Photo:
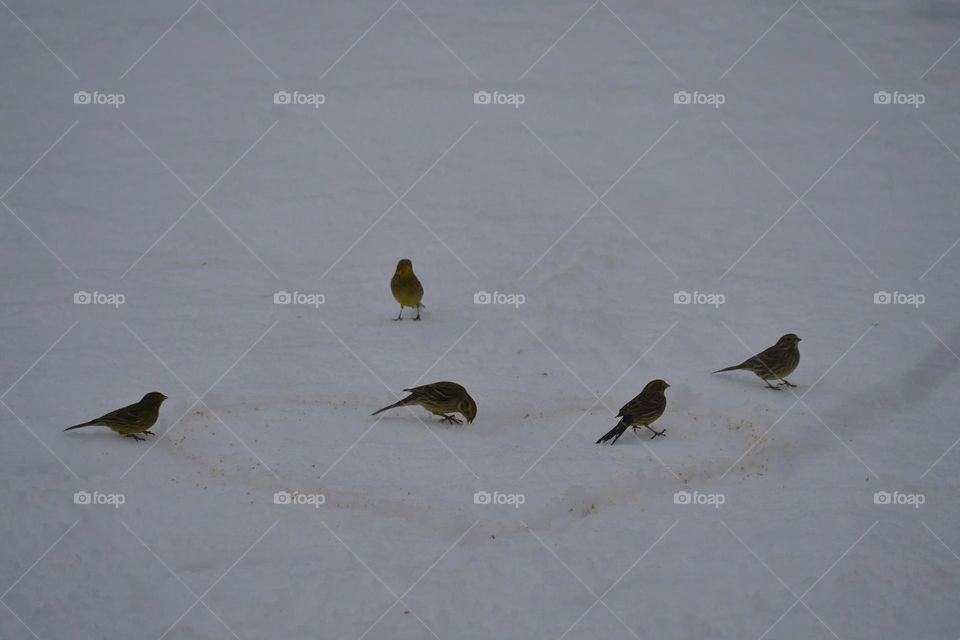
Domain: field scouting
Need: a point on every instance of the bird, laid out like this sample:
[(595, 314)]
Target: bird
[(406, 288), (440, 398), (642, 411), (777, 362), (131, 420)]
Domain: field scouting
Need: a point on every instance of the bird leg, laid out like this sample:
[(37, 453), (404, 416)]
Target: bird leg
[(773, 387), (400, 317), (656, 433), (787, 382), (452, 419), (135, 437), (418, 314)]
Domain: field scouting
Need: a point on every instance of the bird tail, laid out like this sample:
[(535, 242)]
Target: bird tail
[(733, 368), (399, 403), (85, 424), (614, 433)]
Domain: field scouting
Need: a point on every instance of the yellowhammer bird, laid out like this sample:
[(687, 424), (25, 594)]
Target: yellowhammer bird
[(441, 399), (406, 288), (133, 419), (775, 363), (642, 411)]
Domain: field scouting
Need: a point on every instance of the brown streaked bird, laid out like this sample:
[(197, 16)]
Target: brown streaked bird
[(131, 420), (642, 411), (775, 363), (440, 398), (406, 288)]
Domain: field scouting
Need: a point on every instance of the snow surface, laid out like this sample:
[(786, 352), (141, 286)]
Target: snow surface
[(597, 199)]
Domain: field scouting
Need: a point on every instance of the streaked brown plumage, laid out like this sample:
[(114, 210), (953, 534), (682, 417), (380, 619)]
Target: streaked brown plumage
[(441, 399), (406, 288), (775, 363), (132, 419), (642, 411)]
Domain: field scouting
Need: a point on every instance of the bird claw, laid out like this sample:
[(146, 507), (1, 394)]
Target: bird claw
[(656, 433), (135, 437), (452, 419)]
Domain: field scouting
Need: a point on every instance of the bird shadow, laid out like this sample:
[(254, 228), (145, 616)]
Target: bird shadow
[(759, 384)]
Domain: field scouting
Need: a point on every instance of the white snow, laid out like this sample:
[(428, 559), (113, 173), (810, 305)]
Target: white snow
[(597, 200)]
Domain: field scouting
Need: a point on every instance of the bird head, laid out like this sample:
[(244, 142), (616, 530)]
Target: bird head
[(405, 266), (658, 386), (789, 339), (154, 398), (467, 407)]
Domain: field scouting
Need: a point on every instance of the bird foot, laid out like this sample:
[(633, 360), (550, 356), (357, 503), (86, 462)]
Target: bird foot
[(777, 388), (658, 433), (789, 384), (452, 419), (150, 432), (135, 437)]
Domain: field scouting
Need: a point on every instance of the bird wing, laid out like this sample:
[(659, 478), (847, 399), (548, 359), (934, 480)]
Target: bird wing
[(131, 415), (764, 359), (437, 392), (642, 405)]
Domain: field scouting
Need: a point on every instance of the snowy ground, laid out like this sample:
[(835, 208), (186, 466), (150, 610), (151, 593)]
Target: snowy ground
[(597, 199)]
